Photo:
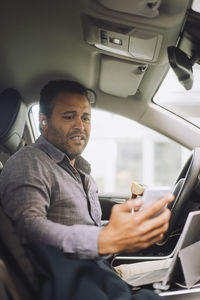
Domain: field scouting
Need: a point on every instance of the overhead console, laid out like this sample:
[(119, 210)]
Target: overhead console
[(131, 36), (135, 29), (118, 76), (122, 39)]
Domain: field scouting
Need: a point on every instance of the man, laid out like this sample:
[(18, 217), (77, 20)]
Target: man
[(51, 196)]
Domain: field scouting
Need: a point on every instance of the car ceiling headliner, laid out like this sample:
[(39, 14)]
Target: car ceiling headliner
[(43, 40)]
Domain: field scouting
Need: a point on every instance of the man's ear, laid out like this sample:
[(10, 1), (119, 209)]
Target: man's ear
[(43, 123)]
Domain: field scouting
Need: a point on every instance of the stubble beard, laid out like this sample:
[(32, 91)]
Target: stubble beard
[(71, 152), (63, 144)]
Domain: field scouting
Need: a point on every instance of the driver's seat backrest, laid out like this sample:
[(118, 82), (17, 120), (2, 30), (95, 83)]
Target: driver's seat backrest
[(16, 271), (13, 113)]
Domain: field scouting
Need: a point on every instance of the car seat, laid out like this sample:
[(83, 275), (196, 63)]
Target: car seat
[(17, 277), (12, 120)]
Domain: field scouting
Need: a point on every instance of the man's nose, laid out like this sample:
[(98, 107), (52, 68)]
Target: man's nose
[(79, 123)]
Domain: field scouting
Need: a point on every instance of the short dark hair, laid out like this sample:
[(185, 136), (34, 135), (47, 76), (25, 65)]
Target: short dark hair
[(54, 87)]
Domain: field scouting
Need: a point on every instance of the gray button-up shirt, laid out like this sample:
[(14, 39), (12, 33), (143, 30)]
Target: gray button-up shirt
[(51, 201)]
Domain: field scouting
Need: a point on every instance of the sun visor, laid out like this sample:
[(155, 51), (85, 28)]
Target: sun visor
[(145, 8), (120, 78)]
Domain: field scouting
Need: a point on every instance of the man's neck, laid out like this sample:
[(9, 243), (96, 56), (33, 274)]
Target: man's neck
[(72, 162)]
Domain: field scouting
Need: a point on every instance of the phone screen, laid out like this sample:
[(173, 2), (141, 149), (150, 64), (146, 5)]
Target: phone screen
[(153, 194)]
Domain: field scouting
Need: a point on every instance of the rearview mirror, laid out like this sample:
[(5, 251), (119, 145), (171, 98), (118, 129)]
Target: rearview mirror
[(181, 65)]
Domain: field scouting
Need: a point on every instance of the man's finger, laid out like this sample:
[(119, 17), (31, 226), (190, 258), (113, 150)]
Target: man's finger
[(130, 204), (158, 205)]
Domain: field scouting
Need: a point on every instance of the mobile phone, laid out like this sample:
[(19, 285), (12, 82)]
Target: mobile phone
[(153, 194)]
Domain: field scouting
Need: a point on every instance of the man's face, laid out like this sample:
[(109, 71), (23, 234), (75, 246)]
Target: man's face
[(69, 125)]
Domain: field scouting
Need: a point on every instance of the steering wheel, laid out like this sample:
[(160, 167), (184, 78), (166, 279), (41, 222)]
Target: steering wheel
[(184, 185)]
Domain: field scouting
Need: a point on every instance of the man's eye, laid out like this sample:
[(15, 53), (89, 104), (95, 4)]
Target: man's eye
[(68, 117), (86, 119)]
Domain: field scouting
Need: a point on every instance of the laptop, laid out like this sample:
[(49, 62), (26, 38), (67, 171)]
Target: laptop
[(162, 278)]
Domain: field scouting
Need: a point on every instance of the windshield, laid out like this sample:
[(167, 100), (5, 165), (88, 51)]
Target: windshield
[(172, 96)]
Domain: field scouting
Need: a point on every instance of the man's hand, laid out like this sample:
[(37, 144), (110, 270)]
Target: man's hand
[(131, 232)]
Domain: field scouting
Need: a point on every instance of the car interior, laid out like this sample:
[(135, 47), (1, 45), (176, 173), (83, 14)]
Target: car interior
[(123, 52)]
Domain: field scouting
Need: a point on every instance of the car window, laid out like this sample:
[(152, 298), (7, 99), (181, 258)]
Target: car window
[(121, 150), (185, 103)]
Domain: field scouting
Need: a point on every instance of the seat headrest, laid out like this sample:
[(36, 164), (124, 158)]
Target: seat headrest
[(12, 120)]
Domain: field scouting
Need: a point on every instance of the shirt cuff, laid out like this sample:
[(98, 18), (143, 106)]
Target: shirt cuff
[(84, 242)]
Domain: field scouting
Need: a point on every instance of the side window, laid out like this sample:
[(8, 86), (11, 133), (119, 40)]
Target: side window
[(121, 150)]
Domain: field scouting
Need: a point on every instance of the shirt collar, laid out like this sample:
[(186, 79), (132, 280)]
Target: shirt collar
[(58, 156)]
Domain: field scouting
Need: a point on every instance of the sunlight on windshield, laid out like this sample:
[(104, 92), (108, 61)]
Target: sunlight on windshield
[(121, 151), (175, 98)]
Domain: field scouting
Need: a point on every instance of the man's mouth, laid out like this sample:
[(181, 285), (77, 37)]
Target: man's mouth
[(77, 138)]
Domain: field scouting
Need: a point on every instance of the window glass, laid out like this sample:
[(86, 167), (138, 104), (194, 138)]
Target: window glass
[(196, 5), (121, 151), (185, 103)]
